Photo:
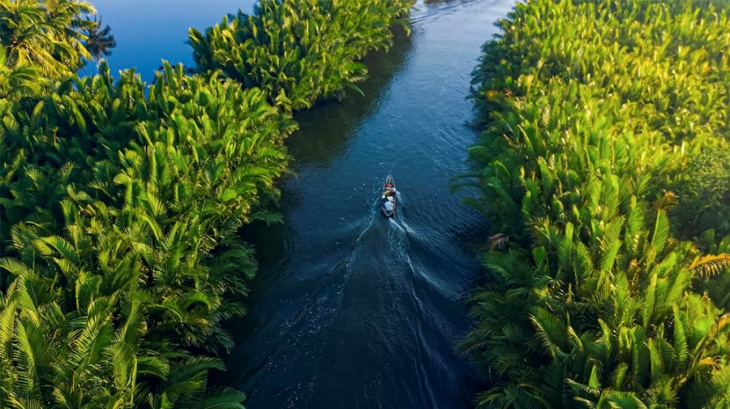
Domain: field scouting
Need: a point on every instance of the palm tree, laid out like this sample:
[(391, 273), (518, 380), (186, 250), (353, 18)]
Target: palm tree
[(47, 33), (19, 81), (114, 196), (99, 41)]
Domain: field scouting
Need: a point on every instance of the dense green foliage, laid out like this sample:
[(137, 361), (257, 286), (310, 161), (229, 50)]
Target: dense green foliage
[(704, 193), (119, 205), (593, 112), (298, 51), (99, 40), (48, 34), (111, 203)]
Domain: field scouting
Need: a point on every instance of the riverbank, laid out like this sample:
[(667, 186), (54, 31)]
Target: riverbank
[(589, 125)]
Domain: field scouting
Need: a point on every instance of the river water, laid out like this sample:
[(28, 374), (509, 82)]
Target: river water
[(352, 310)]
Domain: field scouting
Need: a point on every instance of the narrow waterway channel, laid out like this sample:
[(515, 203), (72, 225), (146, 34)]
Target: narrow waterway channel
[(351, 310)]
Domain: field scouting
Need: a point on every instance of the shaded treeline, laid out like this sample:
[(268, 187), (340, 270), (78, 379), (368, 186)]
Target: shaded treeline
[(120, 201), (603, 171)]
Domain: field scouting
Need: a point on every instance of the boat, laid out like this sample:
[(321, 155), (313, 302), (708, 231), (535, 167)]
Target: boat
[(388, 195)]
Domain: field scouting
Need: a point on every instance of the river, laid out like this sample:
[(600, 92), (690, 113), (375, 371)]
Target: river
[(352, 310)]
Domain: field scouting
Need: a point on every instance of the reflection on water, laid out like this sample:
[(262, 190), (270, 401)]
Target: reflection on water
[(148, 31), (326, 130)]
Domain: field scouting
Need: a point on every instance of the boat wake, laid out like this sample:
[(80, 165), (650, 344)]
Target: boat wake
[(370, 312)]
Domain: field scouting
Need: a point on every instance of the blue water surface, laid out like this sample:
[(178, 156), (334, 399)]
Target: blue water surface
[(148, 31)]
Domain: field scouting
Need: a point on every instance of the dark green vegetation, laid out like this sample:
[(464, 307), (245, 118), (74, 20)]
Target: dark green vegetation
[(120, 202), (112, 204), (299, 51), (602, 165), (44, 35), (99, 40)]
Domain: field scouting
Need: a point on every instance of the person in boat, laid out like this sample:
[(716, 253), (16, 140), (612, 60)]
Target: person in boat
[(389, 190), (388, 205)]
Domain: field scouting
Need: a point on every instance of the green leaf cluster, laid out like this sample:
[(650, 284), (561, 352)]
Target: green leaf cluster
[(704, 194), (49, 35), (298, 51), (592, 111)]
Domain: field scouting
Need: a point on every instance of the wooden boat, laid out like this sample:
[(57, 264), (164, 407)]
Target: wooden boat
[(388, 196)]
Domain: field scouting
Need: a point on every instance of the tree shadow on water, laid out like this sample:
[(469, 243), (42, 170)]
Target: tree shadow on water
[(325, 130)]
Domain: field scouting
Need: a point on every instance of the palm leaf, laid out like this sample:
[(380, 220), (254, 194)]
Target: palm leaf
[(222, 398), (711, 264)]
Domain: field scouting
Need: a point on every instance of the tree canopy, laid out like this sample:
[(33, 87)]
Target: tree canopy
[(47, 34), (299, 51), (591, 111)]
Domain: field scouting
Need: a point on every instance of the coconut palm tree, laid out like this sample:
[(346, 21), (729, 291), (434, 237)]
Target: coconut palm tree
[(48, 34), (99, 40)]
